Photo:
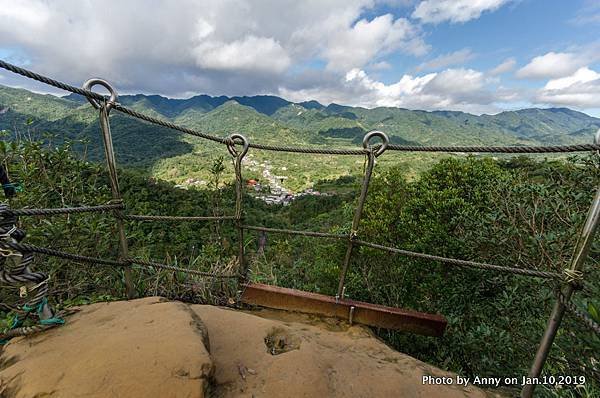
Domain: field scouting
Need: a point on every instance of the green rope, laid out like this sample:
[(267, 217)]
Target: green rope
[(16, 322), (52, 321)]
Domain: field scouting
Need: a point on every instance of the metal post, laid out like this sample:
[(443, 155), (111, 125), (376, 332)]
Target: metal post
[(109, 154), (237, 158), (582, 249), (371, 155)]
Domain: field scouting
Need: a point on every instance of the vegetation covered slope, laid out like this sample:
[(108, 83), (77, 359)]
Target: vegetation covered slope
[(273, 120), (516, 213)]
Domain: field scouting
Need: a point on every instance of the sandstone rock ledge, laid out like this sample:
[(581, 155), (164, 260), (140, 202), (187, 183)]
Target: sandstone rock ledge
[(156, 348)]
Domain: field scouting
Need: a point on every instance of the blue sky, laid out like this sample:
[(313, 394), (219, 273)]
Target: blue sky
[(479, 56), (520, 30)]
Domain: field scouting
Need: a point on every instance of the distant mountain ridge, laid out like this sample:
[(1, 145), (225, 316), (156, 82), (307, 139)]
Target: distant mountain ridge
[(266, 104), (271, 119), (270, 104)]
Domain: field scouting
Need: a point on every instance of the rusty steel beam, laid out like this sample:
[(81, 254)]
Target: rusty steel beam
[(350, 310)]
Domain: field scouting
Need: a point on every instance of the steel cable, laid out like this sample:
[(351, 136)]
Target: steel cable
[(497, 149), (57, 253), (63, 210), (140, 217), (582, 316), (464, 263)]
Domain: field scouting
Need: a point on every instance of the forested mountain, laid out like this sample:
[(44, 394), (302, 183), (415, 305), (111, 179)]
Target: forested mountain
[(265, 116), (270, 119)]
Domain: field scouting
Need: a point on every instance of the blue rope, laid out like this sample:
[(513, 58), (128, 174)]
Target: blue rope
[(17, 186), (50, 321)]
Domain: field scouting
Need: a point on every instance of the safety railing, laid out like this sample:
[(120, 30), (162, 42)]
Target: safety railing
[(570, 280)]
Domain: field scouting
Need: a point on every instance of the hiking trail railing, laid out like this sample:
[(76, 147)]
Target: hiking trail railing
[(570, 280)]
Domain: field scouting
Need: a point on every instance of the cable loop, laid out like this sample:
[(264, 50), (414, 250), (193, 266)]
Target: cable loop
[(109, 103), (375, 133), (230, 141)]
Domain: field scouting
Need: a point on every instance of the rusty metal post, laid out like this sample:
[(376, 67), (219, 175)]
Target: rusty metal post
[(573, 274), (237, 162), (111, 163), (372, 153)]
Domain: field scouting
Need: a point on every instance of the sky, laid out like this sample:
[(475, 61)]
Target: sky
[(477, 56)]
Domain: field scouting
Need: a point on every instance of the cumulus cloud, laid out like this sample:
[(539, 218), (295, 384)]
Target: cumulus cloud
[(445, 60), (455, 89), (551, 65), (214, 46), (581, 89), (356, 46), (436, 11), (365, 40), (251, 53)]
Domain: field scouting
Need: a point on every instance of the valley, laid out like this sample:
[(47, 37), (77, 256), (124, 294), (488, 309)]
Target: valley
[(185, 160)]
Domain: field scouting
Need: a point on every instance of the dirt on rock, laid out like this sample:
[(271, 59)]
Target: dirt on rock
[(155, 348)]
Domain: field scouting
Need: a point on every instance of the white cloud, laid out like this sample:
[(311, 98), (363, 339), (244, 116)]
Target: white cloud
[(581, 89), (454, 89), (436, 11), (214, 46), (364, 41), (506, 66), (582, 75), (250, 53), (387, 95), (445, 60), (551, 65)]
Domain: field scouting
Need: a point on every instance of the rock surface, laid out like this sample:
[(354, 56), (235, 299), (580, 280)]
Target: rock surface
[(154, 348), (141, 348), (273, 353)]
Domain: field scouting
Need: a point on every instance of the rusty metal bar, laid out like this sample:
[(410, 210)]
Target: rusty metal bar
[(111, 163), (350, 310)]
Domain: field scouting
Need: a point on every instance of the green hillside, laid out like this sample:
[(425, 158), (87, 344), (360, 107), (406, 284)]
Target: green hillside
[(273, 120)]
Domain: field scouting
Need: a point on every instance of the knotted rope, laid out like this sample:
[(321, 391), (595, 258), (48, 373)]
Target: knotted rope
[(16, 271)]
